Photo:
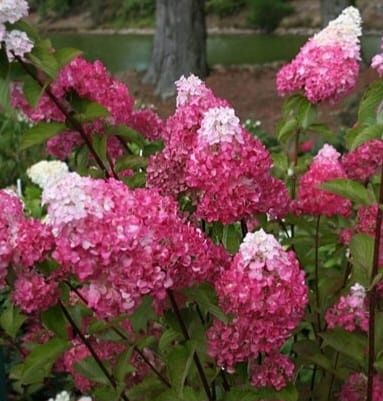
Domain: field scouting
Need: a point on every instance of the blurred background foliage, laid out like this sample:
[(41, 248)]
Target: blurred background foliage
[(263, 14)]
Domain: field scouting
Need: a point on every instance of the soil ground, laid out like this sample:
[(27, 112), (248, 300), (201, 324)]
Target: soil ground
[(253, 96)]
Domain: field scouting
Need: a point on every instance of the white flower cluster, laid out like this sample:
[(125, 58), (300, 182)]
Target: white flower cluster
[(187, 88), (344, 30), (17, 42), (220, 124), (65, 396), (45, 172)]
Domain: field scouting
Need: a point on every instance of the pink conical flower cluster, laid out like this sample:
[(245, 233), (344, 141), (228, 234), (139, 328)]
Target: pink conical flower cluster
[(264, 289), (210, 157), (311, 199), (327, 66), (125, 244)]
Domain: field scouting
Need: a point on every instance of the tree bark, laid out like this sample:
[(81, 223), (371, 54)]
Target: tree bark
[(179, 44), (330, 9)]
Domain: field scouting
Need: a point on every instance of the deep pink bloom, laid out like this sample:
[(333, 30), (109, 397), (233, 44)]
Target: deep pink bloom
[(92, 81), (364, 161), (276, 370), (265, 290), (125, 244), (311, 198), (33, 293), (356, 387)]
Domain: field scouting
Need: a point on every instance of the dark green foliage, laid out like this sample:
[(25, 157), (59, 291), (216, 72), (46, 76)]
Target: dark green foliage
[(13, 161), (224, 8), (267, 14)]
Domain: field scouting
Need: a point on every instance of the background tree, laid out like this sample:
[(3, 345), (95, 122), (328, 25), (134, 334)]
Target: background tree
[(179, 44), (331, 8)]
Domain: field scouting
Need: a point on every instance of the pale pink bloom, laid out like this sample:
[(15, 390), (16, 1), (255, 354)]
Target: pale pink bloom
[(327, 66), (13, 10), (220, 124), (17, 43), (189, 88), (350, 312)]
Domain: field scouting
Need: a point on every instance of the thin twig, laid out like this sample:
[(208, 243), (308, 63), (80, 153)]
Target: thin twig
[(185, 333), (76, 125), (85, 341), (125, 338), (317, 294)]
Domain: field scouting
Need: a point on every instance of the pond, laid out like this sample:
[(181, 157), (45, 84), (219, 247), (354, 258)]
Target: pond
[(121, 52)]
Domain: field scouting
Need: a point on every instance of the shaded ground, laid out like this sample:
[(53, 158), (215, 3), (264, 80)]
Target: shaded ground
[(253, 95)]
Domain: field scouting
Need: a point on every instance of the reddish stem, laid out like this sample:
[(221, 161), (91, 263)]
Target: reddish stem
[(373, 295)]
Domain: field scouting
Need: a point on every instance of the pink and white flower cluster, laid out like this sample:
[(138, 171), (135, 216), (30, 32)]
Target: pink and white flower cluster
[(377, 62), (351, 311), (17, 43), (265, 290), (327, 66), (356, 386), (124, 244), (209, 156), (311, 199)]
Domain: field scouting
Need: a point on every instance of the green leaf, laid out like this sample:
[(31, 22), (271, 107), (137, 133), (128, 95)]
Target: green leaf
[(32, 91), (131, 162), (100, 145), (178, 364), (145, 389), (42, 358), (322, 130), (42, 57), (152, 147), (309, 351), (370, 103), (123, 366), (89, 368), (87, 110), (205, 297), (248, 393), (286, 130), (11, 320), (127, 133), (350, 189), (66, 54), (142, 315), (167, 339), (53, 319), (40, 133), (138, 180), (362, 253), (307, 115), (353, 345), (231, 238), (366, 134)]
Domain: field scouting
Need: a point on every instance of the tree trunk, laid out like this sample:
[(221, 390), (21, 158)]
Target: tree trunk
[(179, 44), (330, 9)]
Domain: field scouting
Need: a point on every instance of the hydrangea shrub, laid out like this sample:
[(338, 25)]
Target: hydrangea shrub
[(183, 259)]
